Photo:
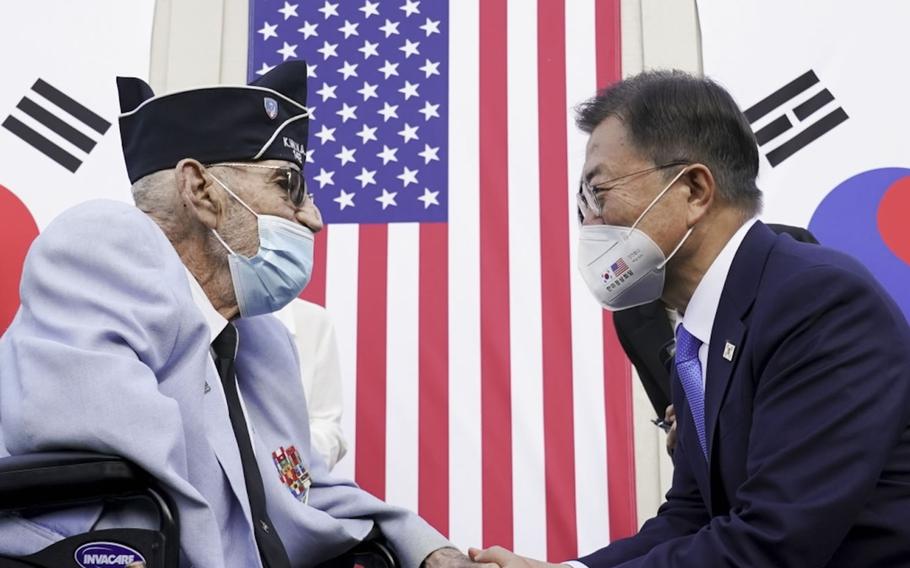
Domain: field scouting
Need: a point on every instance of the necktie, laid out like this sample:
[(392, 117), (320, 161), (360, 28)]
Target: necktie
[(271, 550), (688, 368)]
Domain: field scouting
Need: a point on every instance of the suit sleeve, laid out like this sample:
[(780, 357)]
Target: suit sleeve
[(412, 538), (96, 315), (339, 499), (832, 397), (645, 350), (682, 514)]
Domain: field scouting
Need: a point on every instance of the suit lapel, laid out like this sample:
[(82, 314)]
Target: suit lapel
[(220, 435), (720, 369), (729, 329)]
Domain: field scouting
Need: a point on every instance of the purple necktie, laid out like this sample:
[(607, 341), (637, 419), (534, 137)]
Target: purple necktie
[(689, 370)]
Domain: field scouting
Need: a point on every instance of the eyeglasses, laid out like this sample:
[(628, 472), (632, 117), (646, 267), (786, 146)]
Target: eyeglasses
[(290, 179), (586, 197)]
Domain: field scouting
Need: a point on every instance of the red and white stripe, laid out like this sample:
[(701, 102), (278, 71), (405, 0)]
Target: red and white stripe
[(484, 388)]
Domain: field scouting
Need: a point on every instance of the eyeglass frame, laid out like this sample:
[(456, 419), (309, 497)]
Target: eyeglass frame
[(300, 200), (582, 183)]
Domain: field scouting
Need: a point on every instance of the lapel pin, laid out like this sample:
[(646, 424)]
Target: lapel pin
[(729, 349)]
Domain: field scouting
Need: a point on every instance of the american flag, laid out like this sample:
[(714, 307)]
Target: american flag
[(619, 267), (484, 388)]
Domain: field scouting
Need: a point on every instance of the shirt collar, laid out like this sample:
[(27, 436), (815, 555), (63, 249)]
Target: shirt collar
[(699, 316), (215, 321)]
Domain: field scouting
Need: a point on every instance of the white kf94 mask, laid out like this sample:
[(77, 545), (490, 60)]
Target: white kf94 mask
[(622, 266)]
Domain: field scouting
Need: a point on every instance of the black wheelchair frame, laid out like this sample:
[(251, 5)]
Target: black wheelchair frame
[(46, 480)]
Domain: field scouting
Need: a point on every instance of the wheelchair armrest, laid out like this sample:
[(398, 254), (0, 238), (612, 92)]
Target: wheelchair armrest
[(62, 478), (58, 479)]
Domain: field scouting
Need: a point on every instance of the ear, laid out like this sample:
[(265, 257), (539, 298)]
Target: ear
[(198, 192), (702, 191)]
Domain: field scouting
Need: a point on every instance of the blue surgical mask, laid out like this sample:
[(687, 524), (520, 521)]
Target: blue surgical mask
[(278, 272)]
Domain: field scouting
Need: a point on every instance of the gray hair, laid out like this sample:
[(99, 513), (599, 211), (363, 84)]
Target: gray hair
[(672, 115), (155, 193)]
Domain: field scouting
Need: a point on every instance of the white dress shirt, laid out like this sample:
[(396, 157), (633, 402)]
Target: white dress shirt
[(699, 316), (216, 323), (320, 369), (215, 320)]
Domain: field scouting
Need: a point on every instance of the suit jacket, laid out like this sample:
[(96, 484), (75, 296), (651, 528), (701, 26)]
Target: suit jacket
[(808, 426), (320, 370), (648, 338), (109, 353)]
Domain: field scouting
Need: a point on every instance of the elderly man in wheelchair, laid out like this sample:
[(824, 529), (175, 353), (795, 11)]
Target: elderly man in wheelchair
[(151, 411)]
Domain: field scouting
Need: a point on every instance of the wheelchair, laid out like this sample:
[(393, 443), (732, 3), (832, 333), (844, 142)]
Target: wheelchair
[(35, 482)]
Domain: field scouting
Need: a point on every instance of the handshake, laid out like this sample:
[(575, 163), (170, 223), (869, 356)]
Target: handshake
[(493, 557)]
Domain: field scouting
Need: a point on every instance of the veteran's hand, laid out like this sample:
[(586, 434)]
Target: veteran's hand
[(451, 558), (507, 559)]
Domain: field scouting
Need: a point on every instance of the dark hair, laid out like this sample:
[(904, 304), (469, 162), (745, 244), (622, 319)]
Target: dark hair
[(672, 115)]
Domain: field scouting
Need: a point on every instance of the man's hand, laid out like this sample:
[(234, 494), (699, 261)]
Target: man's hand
[(670, 418), (451, 558), (507, 559)]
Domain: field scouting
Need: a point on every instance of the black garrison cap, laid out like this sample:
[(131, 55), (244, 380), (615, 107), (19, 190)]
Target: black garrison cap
[(266, 120)]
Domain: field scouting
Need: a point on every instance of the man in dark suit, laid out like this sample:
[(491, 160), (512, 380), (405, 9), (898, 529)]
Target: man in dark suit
[(791, 376), (647, 337)]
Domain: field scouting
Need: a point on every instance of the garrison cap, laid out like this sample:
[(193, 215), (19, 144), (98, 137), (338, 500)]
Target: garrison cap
[(266, 120)]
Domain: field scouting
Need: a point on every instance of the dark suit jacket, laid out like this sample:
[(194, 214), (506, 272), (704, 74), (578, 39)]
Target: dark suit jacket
[(808, 426), (647, 337)]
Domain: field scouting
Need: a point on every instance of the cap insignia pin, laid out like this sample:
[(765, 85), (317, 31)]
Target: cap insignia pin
[(271, 107)]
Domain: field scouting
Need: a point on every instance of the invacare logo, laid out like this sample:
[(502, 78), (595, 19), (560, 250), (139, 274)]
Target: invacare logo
[(108, 554)]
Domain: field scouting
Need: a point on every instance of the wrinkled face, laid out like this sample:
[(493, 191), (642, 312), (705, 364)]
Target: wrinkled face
[(270, 187), (623, 183)]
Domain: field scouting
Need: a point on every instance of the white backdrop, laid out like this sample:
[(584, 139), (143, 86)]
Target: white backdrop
[(78, 48), (856, 53)]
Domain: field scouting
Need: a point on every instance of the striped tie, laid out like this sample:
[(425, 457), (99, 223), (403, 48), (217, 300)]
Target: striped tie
[(689, 370)]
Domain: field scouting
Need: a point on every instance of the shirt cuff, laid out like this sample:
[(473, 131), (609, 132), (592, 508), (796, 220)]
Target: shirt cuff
[(574, 564)]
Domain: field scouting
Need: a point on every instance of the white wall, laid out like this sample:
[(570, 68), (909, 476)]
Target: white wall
[(198, 42)]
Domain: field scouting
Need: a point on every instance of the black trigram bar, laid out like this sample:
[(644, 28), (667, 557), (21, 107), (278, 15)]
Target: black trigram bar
[(807, 136), (779, 101), (780, 96), (773, 129), (50, 120), (42, 144), (63, 101), (56, 125), (820, 99)]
